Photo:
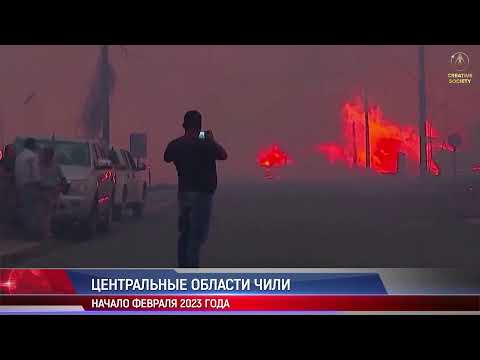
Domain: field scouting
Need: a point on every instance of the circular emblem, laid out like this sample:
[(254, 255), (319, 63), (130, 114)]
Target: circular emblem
[(460, 61)]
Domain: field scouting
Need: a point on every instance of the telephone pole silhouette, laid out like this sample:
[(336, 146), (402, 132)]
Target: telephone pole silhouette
[(107, 88), (367, 131), (422, 111)]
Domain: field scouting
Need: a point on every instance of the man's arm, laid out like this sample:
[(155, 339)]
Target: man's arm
[(168, 155), (220, 153)]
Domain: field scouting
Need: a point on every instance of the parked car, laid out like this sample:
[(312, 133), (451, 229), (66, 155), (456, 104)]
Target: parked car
[(90, 183), (130, 185)]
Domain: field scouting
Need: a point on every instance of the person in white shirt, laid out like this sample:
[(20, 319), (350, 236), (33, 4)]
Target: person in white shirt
[(52, 179), (27, 179)]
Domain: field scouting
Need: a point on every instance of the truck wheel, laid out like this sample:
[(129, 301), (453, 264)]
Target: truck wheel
[(138, 208), (106, 223), (119, 210), (60, 230), (89, 226)]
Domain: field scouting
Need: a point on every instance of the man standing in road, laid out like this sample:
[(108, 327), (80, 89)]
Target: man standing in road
[(194, 155), (27, 178)]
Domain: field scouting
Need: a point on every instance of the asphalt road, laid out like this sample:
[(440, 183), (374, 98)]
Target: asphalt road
[(290, 225)]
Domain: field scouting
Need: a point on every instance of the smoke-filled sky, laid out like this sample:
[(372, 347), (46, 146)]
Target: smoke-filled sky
[(251, 96)]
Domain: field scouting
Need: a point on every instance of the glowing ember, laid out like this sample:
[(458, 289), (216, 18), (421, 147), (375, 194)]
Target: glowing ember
[(387, 140), (273, 157)]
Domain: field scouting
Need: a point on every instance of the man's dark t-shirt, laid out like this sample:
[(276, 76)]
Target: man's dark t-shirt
[(195, 163)]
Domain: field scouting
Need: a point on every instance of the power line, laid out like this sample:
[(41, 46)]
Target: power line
[(431, 93)]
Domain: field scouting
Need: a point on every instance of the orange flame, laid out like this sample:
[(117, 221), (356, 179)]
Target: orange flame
[(387, 140), (273, 157)]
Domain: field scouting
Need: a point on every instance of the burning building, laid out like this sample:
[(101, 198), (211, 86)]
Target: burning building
[(391, 144)]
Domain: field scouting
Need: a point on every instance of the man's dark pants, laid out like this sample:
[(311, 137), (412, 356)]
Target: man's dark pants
[(195, 209)]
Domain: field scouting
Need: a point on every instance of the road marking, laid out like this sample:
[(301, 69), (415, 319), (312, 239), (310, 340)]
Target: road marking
[(473, 221)]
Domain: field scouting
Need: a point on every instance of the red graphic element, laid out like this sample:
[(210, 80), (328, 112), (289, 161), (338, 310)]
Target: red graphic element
[(387, 140), (35, 281), (258, 302)]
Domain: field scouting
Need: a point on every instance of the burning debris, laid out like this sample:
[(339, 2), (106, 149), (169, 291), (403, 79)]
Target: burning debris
[(389, 141), (273, 157)]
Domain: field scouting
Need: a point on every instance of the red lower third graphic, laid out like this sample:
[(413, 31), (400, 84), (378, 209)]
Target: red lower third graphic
[(255, 303), (35, 281)]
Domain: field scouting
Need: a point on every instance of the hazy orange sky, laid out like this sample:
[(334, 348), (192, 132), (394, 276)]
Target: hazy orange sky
[(251, 96)]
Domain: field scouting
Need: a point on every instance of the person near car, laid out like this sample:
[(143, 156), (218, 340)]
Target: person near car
[(27, 180), (7, 169), (51, 180), (195, 162)]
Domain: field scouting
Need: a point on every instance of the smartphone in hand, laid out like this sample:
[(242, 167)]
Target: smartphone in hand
[(205, 135)]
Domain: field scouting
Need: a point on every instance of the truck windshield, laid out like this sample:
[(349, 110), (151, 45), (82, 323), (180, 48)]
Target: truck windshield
[(66, 152)]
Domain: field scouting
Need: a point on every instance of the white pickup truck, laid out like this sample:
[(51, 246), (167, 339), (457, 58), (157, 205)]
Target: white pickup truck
[(90, 178), (130, 184)]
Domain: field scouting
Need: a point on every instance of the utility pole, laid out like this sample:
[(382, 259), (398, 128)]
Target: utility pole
[(149, 175), (355, 154), (2, 132), (106, 95), (367, 131), (422, 110)]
